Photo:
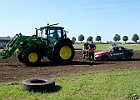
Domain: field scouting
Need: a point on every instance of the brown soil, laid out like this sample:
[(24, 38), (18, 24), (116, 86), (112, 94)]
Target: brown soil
[(12, 70)]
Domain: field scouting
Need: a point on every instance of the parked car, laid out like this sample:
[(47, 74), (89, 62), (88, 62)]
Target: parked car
[(114, 52)]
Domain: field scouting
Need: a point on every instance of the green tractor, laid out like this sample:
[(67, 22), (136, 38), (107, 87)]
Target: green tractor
[(49, 41)]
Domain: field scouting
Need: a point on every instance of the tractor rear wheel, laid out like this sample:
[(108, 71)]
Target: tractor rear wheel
[(31, 56), (64, 52)]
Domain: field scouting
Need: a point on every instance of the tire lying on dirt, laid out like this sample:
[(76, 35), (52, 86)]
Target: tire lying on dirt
[(38, 84), (64, 52)]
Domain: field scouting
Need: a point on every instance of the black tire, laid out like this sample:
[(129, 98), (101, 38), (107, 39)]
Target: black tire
[(64, 52), (128, 56), (20, 58), (31, 56), (38, 84), (104, 58)]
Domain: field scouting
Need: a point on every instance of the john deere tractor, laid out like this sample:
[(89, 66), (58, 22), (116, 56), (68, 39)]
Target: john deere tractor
[(49, 41)]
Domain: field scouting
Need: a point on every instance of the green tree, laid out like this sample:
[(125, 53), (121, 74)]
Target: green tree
[(81, 37), (73, 39), (98, 38), (90, 38), (125, 38), (135, 38), (117, 37)]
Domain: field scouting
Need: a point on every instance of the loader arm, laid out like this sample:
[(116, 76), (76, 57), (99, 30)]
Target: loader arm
[(12, 46)]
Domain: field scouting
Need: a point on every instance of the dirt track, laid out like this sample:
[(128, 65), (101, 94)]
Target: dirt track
[(12, 70)]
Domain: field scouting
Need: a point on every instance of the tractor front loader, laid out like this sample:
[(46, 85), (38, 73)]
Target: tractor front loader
[(21, 44), (49, 41)]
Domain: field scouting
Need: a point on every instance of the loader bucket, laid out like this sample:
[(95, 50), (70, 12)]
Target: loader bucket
[(10, 47), (2, 54)]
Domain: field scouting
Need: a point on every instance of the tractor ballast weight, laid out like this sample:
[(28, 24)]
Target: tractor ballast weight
[(49, 41)]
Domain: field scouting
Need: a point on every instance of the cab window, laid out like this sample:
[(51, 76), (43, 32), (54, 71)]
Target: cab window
[(59, 32), (51, 33), (43, 34)]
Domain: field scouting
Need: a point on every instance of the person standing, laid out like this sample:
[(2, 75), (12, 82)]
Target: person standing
[(85, 50), (92, 47)]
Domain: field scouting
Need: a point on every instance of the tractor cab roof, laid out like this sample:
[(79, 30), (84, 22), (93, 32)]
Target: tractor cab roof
[(52, 26), (44, 27)]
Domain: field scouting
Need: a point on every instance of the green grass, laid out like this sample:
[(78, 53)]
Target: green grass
[(99, 46), (133, 47), (78, 46), (105, 85), (104, 46)]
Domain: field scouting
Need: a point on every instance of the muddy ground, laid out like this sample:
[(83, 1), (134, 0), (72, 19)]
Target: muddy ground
[(12, 70)]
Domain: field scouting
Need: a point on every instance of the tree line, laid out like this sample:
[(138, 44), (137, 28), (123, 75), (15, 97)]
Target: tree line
[(116, 38)]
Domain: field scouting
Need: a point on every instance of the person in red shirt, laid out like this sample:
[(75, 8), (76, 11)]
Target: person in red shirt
[(92, 47)]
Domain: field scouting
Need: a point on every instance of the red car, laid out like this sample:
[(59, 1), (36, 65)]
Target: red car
[(116, 52)]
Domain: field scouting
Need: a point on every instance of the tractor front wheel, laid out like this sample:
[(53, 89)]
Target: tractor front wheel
[(20, 58), (31, 56)]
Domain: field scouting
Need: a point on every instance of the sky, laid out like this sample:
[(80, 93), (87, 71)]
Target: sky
[(94, 18)]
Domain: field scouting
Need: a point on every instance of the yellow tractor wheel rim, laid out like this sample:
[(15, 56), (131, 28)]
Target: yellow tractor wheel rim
[(65, 52), (33, 57)]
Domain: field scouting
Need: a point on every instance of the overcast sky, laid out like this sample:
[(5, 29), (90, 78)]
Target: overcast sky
[(103, 18)]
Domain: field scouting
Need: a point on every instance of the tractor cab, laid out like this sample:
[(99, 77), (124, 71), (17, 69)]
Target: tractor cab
[(51, 33), (58, 47)]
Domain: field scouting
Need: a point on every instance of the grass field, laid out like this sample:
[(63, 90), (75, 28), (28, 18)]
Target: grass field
[(105, 85), (133, 47), (104, 46)]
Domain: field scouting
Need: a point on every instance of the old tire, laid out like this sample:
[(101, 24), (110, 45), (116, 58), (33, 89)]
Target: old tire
[(31, 56), (38, 84), (104, 58), (64, 52)]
